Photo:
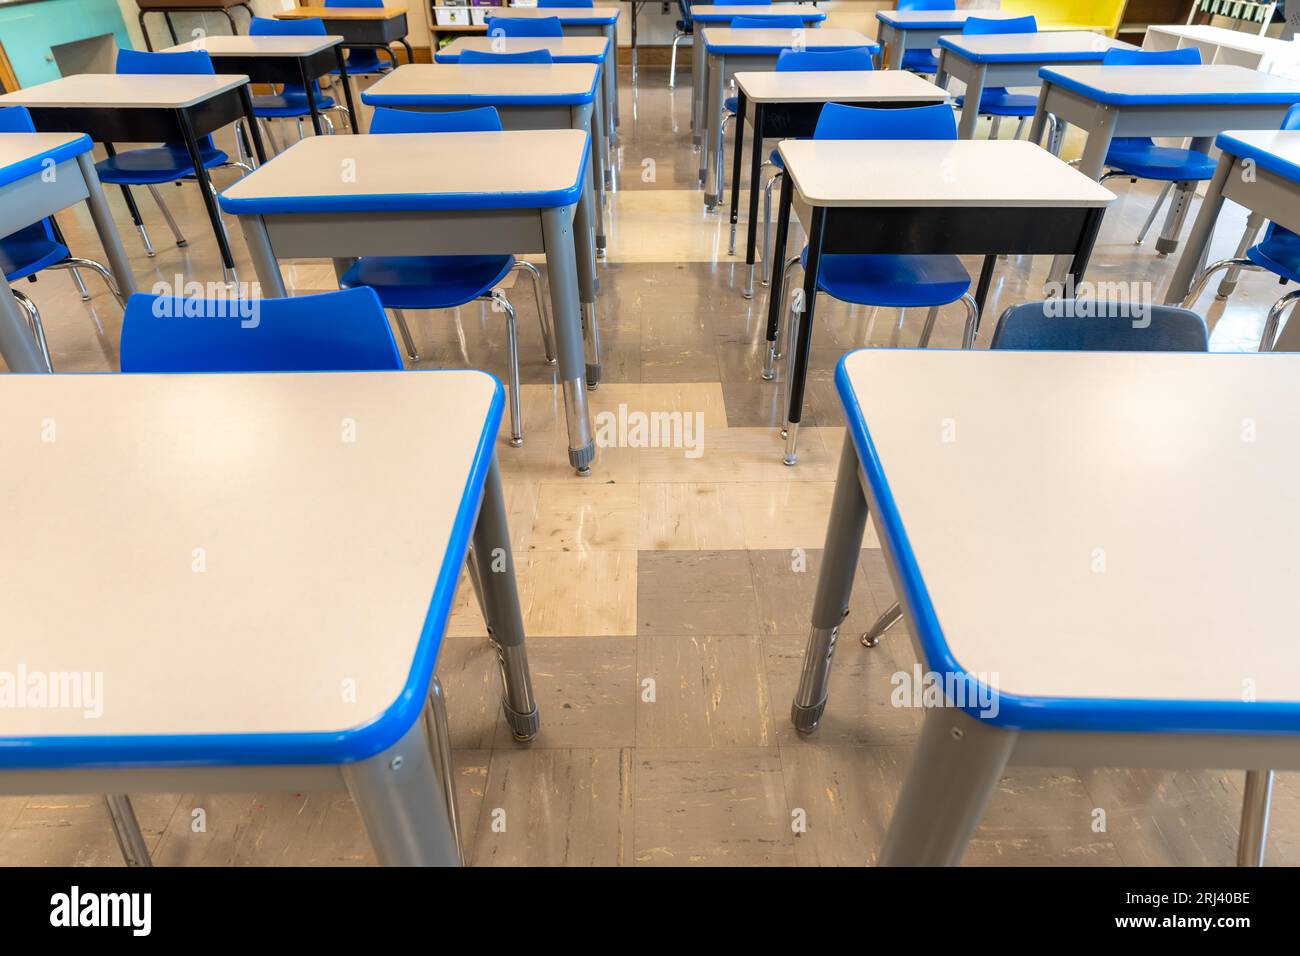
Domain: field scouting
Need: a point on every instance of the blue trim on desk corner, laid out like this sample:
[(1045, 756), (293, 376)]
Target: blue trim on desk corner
[(810, 16), (171, 751), (1277, 97), (887, 16), (413, 202), (441, 56), (1016, 712), (33, 165), (481, 99), (1263, 159), (765, 49), (952, 43)]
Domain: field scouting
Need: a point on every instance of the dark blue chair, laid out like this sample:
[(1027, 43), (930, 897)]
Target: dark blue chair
[(40, 246), (685, 28), (923, 61), (448, 282), (344, 331), (291, 101), (1278, 252), (998, 101), (1036, 326), (799, 61), (364, 60), (154, 166), (883, 280), (524, 27), (1138, 157), (524, 56)]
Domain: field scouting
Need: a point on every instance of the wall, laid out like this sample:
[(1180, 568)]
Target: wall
[(28, 30)]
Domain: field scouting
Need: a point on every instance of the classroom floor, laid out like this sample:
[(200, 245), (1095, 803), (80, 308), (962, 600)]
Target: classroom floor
[(666, 597)]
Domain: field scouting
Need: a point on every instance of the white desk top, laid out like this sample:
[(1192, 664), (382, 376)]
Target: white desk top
[(1147, 83), (124, 91), (1063, 462), (534, 80), (559, 46), (18, 148), (321, 554), (258, 46), (809, 39), (839, 86), (754, 10), (573, 14), (1032, 44), (935, 173), (406, 165), (905, 18)]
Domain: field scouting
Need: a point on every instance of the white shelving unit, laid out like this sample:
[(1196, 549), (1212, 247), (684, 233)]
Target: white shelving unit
[(1220, 45)]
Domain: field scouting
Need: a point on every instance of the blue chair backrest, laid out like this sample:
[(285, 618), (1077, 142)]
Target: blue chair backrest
[(809, 61), (268, 27), (782, 22), (344, 331), (1187, 56), (140, 61), (524, 27), (1035, 326), (483, 119), (983, 25), (1292, 118), (861, 122), (524, 56), (927, 4), (16, 119), (543, 4)]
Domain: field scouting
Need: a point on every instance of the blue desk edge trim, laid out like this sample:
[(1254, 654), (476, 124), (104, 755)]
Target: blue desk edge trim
[(743, 49), (810, 16), (479, 99), (1015, 712), (1271, 162), (159, 751), (1055, 56), (36, 164), (1141, 99)]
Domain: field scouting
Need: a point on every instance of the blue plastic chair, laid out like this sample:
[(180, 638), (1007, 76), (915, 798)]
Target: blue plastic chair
[(155, 165), (1278, 252), (40, 246), (923, 61), (448, 282), (800, 61), (886, 280), (1138, 157), (364, 60), (997, 101), (524, 56), (1035, 326), (291, 101), (685, 28), (344, 331), (524, 27)]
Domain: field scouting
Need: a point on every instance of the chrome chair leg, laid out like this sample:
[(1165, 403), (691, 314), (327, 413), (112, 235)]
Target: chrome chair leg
[(1020, 127), (767, 226), (1200, 282), (672, 63), (435, 717), (270, 136), (81, 284), (127, 829), (891, 616), (1253, 833), (298, 121), (405, 331), (329, 125), (76, 263), (995, 128), (34, 322), (928, 328), (501, 303), (144, 238), (972, 319), (1151, 216), (774, 347), (181, 241), (1273, 323), (1254, 222), (543, 308)]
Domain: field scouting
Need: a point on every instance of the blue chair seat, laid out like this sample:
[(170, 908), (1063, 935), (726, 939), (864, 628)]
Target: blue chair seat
[(365, 61), (28, 251), (920, 61), (1279, 253), (999, 102), (289, 104), (1142, 158), (776, 160), (731, 104), (892, 282), (156, 164), (427, 282)]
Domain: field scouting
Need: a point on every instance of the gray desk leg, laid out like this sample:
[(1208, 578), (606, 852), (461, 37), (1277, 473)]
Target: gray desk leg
[(403, 801), (1092, 165), (609, 79), (586, 263), (499, 596), (600, 164), (1040, 117), (611, 34), (955, 768), (562, 276), (1167, 241), (1199, 238), (970, 109), (259, 249), (712, 132), (848, 521), (894, 38), (699, 75), (102, 216), (17, 343)]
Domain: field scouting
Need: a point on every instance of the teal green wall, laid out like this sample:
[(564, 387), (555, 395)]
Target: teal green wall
[(28, 30)]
